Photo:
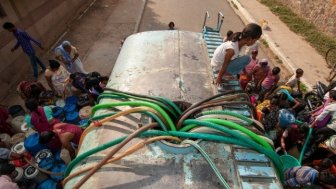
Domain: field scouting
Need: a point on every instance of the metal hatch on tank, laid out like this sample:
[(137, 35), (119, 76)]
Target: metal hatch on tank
[(174, 65)]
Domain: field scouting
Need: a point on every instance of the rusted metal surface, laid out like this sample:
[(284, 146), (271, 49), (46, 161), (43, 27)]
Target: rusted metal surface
[(172, 64)]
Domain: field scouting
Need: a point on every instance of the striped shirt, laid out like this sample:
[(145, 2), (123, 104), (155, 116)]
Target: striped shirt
[(300, 176), (23, 40)]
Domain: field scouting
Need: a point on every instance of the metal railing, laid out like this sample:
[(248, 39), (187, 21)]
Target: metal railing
[(220, 18), (207, 15)]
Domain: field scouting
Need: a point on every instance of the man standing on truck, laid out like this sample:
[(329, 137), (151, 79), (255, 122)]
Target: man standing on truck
[(23, 40)]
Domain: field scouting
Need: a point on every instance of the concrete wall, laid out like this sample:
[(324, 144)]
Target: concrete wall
[(44, 20), (321, 12)]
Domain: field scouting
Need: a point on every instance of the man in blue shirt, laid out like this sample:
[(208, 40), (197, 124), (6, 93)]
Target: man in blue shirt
[(24, 40)]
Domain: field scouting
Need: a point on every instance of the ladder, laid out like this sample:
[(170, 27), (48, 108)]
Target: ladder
[(212, 36)]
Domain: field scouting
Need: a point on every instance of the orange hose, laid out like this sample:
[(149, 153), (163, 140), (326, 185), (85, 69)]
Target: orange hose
[(129, 151), (110, 118)]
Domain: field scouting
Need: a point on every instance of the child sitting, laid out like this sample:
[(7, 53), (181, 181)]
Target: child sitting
[(294, 81)]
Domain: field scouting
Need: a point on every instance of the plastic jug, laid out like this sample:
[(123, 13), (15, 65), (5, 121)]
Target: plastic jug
[(65, 156)]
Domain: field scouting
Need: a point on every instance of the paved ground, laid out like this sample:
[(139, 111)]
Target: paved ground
[(291, 48), (98, 32)]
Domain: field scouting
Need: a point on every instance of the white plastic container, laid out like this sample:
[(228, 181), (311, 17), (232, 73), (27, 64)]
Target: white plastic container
[(18, 174), (31, 173), (17, 122), (85, 112), (60, 103), (19, 148), (28, 131), (65, 156), (6, 139)]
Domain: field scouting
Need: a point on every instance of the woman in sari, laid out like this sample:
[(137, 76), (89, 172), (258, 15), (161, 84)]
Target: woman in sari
[(68, 54), (58, 79)]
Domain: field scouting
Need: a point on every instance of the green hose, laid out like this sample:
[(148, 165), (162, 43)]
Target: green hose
[(210, 162), (195, 123), (271, 154), (111, 95), (137, 103), (163, 100), (157, 119), (225, 112), (102, 96), (172, 104), (238, 141), (305, 144), (102, 147)]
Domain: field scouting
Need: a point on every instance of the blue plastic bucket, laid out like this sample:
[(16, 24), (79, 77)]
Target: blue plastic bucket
[(32, 144), (47, 184), (59, 168), (45, 159), (286, 118), (71, 100), (72, 117), (83, 122), (69, 108), (58, 112)]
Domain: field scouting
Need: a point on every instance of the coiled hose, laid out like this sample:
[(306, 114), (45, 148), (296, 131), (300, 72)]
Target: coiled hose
[(217, 124), (163, 106), (192, 111), (158, 99), (110, 118), (137, 103), (212, 97), (249, 121)]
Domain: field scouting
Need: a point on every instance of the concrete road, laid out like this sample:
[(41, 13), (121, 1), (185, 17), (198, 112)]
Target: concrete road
[(190, 17)]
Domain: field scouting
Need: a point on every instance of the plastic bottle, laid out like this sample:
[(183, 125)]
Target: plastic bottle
[(65, 156)]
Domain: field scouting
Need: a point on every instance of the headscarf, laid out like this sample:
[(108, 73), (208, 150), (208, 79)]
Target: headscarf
[(66, 56)]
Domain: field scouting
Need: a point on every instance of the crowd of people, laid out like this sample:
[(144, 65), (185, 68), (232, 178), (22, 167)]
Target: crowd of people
[(280, 106), (282, 109), (66, 77)]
